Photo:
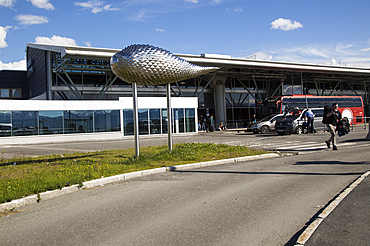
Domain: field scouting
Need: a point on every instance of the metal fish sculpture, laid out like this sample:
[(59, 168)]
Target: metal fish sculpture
[(149, 65)]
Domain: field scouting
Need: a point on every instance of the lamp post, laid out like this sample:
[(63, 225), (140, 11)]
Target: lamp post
[(169, 116), (136, 119)]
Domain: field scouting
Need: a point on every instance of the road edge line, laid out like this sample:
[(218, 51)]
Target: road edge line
[(308, 232)]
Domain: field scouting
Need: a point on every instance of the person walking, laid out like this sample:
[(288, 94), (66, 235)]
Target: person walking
[(332, 121), (202, 122), (211, 124), (309, 116)]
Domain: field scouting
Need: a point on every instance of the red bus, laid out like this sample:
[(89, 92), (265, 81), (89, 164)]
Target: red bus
[(351, 107)]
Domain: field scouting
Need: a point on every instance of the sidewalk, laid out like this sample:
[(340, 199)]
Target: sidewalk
[(58, 138)]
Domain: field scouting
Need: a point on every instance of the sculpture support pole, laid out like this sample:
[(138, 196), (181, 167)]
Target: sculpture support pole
[(136, 119), (169, 117)]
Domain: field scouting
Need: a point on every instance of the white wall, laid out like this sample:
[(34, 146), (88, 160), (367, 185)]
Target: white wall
[(123, 103)]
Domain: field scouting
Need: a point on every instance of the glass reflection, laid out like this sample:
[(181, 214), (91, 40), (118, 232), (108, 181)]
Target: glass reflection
[(143, 121), (155, 121), (190, 119), (5, 123), (78, 121), (178, 118), (128, 122), (51, 122), (151, 121), (107, 120), (24, 123), (164, 120)]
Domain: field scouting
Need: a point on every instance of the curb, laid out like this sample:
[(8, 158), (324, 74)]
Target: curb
[(120, 177), (307, 233)]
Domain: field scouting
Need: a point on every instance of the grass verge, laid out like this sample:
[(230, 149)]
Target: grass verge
[(20, 177)]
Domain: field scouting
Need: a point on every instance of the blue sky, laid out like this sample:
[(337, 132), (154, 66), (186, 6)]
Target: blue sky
[(322, 32)]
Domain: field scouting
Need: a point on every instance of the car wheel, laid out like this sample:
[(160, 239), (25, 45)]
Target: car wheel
[(265, 129), (299, 130)]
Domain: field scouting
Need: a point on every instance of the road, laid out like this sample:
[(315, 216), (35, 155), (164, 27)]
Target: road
[(263, 202), (304, 143)]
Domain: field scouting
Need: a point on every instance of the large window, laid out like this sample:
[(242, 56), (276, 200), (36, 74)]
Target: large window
[(151, 121), (5, 123), (164, 120), (178, 116), (239, 100), (155, 121), (24, 123), (143, 121), (51, 122), (107, 120), (128, 122), (78, 121), (190, 119)]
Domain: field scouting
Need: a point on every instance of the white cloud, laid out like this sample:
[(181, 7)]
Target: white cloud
[(96, 6), (3, 32), (7, 3), (190, 1), (329, 54), (42, 4), (56, 40), (365, 50), (285, 24), (140, 16), (263, 56), (236, 9), (160, 30), (21, 65), (87, 43), (27, 20)]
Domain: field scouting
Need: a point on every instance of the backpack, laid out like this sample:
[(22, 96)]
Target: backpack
[(343, 127), (327, 109)]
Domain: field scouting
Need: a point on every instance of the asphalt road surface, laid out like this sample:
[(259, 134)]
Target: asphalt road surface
[(304, 143), (262, 202)]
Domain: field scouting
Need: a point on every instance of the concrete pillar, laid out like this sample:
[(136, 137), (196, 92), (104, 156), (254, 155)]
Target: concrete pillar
[(220, 105)]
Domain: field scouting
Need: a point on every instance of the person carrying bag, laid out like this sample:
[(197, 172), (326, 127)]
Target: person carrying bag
[(332, 118)]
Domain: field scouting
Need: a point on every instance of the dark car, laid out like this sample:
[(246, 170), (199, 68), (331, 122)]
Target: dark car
[(293, 121)]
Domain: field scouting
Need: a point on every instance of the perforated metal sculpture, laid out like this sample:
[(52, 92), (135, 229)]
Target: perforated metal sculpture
[(149, 65)]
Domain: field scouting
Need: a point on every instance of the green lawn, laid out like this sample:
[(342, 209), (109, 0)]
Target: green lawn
[(25, 176)]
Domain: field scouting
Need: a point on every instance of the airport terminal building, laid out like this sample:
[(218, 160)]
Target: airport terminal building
[(81, 74)]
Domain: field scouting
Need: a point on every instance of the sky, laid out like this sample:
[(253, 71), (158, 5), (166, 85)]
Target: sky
[(321, 32)]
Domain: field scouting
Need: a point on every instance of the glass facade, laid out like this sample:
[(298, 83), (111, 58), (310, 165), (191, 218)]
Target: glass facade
[(51, 122), (22, 123), (154, 121), (240, 108), (151, 121)]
